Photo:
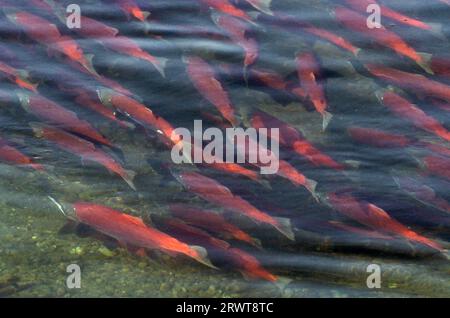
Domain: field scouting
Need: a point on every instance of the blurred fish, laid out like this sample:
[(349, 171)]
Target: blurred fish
[(421, 193), (47, 33), (378, 138), (292, 138), (138, 112), (237, 31), (382, 139), (130, 230), (131, 9), (83, 149), (11, 155), (376, 218), (418, 84), (225, 6), (84, 99), (441, 66), (51, 112), (437, 166), (214, 192), (285, 169), (249, 266), (357, 22), (19, 77), (204, 79), (296, 24), (127, 46), (212, 222), (308, 71), (362, 5), (190, 234), (405, 109)]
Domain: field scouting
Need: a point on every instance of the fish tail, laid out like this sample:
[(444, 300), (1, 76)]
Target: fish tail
[(311, 186), (89, 64), (424, 63), (264, 183), (326, 119), (281, 282), (284, 226), (263, 6), (145, 15), (128, 177), (202, 256), (37, 129), (160, 65)]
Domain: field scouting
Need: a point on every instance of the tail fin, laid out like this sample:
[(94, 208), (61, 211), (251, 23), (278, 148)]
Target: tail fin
[(90, 66), (285, 227), (262, 5), (202, 256), (282, 282), (326, 119), (161, 65), (129, 177), (311, 185), (424, 63)]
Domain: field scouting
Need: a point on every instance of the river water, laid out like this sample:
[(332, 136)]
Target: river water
[(334, 250)]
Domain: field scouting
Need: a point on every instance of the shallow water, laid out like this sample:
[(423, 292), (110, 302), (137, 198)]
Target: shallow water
[(324, 260)]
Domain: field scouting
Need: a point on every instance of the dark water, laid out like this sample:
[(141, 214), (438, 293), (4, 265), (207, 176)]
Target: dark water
[(331, 251)]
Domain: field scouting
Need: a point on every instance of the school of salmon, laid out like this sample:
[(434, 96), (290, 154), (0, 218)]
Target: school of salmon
[(219, 231)]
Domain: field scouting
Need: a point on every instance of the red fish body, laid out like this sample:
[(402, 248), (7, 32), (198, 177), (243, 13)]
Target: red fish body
[(48, 34), (83, 149), (362, 5), (204, 79), (130, 8), (403, 108), (214, 192), (92, 28), (375, 218), (378, 138), (13, 156), (138, 112), (49, 111), (191, 234), (35, 27), (225, 6), (236, 29), (249, 266), (357, 22), (423, 193), (269, 78), (291, 137), (308, 71), (19, 77), (293, 22), (210, 221), (85, 100), (418, 84), (441, 66), (127, 46), (131, 230), (438, 166)]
